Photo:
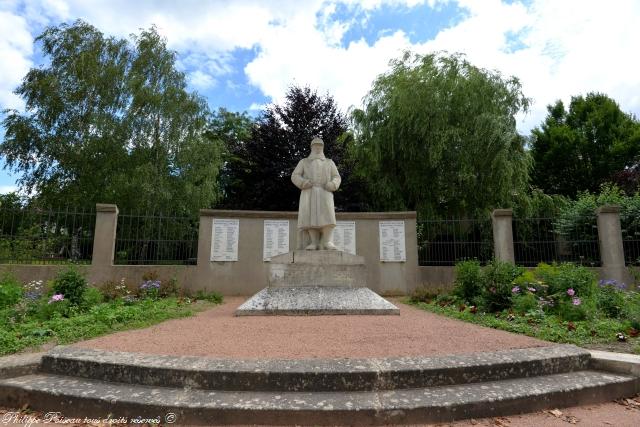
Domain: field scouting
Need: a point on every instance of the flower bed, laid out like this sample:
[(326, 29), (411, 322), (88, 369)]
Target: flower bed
[(558, 302), (66, 310)]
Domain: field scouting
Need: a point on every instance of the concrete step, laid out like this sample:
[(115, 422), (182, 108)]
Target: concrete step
[(316, 375), (82, 397)]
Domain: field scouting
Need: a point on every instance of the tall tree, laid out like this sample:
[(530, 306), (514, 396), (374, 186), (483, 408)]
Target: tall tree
[(258, 174), (580, 149), (438, 135), (111, 121)]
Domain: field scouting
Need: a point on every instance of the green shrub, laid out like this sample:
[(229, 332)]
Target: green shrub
[(559, 278), (525, 302), (208, 296), (10, 291), (571, 312), (469, 281), (48, 309), (610, 298), (71, 284), (91, 297), (498, 280), (9, 343)]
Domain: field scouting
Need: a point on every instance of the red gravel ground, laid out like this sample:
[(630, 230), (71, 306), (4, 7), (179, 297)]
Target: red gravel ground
[(218, 333)]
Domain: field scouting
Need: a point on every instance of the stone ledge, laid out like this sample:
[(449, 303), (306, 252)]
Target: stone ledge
[(225, 213), (75, 397), (312, 374), (615, 362), (16, 365)]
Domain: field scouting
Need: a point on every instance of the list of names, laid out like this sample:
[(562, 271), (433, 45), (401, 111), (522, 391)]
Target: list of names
[(276, 238), (224, 239), (392, 245)]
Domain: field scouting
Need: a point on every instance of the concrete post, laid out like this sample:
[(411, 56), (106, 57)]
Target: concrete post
[(610, 240), (104, 238), (503, 234)]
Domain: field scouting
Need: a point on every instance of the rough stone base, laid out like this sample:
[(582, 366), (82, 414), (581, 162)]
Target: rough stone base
[(315, 300), (317, 268)]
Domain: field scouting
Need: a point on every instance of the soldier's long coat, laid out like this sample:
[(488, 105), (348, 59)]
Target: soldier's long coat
[(316, 208)]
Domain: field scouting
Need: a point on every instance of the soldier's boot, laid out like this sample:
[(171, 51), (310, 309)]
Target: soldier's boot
[(327, 240), (315, 237)]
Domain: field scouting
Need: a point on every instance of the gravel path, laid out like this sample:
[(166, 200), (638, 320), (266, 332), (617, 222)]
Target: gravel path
[(217, 333)]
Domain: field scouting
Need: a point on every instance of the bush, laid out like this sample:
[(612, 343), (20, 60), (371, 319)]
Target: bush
[(498, 280), (169, 288), (91, 297), (49, 309), (525, 302), (469, 281), (610, 298), (10, 291), (71, 284), (113, 290), (208, 296), (559, 278), (150, 289)]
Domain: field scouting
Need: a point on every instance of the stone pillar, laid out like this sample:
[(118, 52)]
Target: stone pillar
[(610, 240), (104, 239), (503, 234)]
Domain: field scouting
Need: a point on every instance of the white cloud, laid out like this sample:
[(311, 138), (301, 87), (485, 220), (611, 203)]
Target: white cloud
[(16, 47), (4, 189), (562, 48)]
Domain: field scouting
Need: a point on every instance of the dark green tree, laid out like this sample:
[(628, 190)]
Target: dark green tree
[(580, 149), (438, 135), (108, 120), (260, 163)]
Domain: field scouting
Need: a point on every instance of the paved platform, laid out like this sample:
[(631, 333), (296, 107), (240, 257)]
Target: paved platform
[(217, 332), (316, 301)]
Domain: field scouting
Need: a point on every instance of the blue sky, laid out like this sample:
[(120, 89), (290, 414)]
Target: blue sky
[(242, 55)]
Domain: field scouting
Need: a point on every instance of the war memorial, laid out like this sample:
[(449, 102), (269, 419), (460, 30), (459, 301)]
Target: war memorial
[(319, 267)]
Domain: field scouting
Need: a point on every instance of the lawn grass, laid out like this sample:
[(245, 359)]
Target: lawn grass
[(101, 319), (594, 333)]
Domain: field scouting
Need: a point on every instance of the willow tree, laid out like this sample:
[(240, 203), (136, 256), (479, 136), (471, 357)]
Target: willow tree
[(111, 120), (438, 135)]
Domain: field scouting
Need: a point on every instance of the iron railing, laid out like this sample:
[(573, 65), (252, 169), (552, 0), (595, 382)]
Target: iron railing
[(159, 239), (537, 240), (39, 235), (447, 241)]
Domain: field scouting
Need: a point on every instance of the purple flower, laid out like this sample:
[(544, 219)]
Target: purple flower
[(515, 289), (576, 301), (56, 297), (150, 284), (531, 289), (571, 292)]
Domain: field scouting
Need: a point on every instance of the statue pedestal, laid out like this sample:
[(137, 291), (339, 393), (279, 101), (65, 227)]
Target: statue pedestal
[(316, 283)]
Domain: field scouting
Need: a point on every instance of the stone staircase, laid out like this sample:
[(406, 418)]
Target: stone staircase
[(192, 390)]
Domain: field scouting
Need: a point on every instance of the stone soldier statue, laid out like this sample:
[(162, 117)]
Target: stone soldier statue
[(318, 178)]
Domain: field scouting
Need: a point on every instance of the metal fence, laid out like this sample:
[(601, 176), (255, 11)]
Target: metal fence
[(631, 244), (445, 242), (160, 239), (36, 235), (537, 240)]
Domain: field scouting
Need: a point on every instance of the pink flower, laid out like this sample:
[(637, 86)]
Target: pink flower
[(515, 289), (531, 289), (576, 301), (571, 292), (56, 297)]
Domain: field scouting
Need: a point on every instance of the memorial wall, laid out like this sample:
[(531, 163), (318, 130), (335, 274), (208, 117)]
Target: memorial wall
[(235, 248)]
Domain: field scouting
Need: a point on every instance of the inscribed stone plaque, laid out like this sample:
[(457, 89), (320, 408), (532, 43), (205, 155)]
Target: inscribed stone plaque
[(344, 236), (392, 247), (224, 239), (276, 238)]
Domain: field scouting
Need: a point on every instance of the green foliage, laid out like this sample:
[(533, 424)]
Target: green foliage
[(498, 284), (10, 291), (112, 290), (580, 149), (559, 278), (72, 284), (610, 299), (91, 297), (214, 297), (111, 120), (525, 302), (425, 294), (435, 126), (469, 281)]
